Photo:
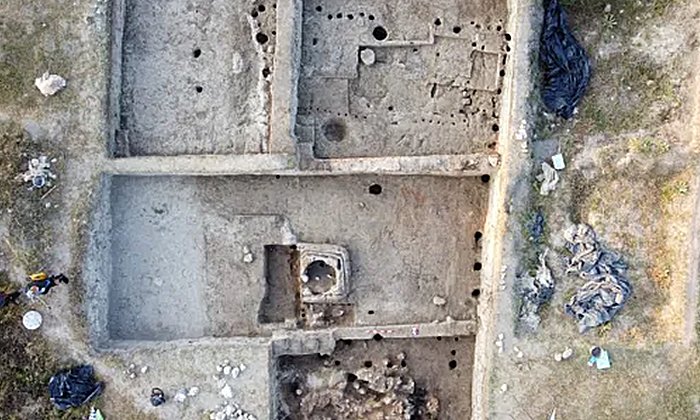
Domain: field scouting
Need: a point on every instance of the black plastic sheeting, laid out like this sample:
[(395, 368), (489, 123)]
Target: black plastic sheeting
[(74, 387), (607, 288), (566, 69)]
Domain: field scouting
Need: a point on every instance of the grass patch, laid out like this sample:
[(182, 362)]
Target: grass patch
[(27, 364), (31, 44), (649, 146), (30, 235), (674, 189)]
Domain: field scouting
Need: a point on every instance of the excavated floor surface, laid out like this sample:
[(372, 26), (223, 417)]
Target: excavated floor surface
[(180, 242), (196, 77), (431, 85)]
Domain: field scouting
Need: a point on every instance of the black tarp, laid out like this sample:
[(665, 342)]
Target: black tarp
[(566, 69), (74, 387)]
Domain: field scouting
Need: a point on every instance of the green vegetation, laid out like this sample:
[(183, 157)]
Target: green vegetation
[(650, 146)]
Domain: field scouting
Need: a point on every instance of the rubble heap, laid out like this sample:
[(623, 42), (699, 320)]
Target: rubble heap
[(375, 392)]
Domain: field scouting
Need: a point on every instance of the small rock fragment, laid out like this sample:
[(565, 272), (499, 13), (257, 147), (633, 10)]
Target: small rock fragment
[(242, 367), (235, 372), (557, 357), (227, 392), (504, 388), (227, 370), (144, 369), (367, 56), (568, 352), (180, 396), (192, 392), (248, 258), (439, 301), (50, 84)]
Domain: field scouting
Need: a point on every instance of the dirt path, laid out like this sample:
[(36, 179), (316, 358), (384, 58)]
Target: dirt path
[(690, 333)]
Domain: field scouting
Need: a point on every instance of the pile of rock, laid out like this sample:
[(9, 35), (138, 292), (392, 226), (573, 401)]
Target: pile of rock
[(229, 410)]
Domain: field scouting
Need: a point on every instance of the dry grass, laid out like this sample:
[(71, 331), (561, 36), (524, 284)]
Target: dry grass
[(630, 188), (27, 364)]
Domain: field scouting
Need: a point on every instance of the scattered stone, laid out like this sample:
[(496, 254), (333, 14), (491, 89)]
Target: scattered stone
[(144, 370), (242, 367), (557, 357), (227, 392), (568, 352), (367, 56), (235, 372), (608, 8), (504, 388), (248, 258), (132, 375), (227, 370), (50, 84), (180, 396), (439, 301), (193, 392)]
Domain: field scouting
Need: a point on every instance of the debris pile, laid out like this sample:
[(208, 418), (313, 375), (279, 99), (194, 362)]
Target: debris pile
[(606, 289), (229, 410), (39, 173), (566, 68), (49, 84), (536, 292), (382, 390)]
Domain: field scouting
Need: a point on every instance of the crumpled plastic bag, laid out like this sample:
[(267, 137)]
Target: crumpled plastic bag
[(74, 387), (565, 65), (536, 292), (549, 179), (607, 288)]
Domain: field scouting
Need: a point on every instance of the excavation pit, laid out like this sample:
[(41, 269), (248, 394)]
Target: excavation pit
[(421, 79), (192, 78), (426, 378), (191, 257)]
